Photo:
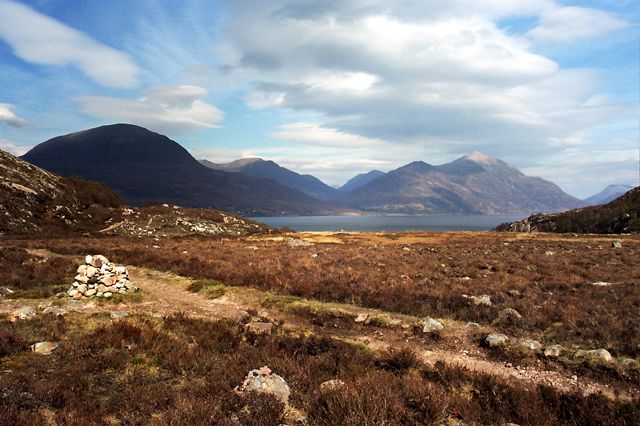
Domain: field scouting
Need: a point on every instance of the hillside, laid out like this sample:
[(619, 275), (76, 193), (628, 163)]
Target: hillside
[(610, 193), (621, 215), (473, 184), (267, 169), (147, 167), (360, 180), (34, 200)]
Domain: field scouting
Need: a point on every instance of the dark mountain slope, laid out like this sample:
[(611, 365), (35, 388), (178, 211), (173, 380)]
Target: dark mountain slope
[(473, 184), (621, 215), (148, 167), (360, 180), (260, 168)]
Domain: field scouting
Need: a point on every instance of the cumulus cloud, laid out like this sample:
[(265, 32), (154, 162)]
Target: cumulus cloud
[(567, 24), (417, 72), (9, 117), (168, 109), (39, 39)]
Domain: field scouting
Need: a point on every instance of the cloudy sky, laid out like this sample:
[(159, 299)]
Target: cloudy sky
[(337, 87)]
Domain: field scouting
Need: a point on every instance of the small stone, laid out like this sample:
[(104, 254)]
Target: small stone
[(509, 315), (107, 294), (91, 292), (431, 325), (88, 259), (495, 340), (616, 244), (258, 327), (574, 378), (549, 253), (118, 314), (72, 293), (484, 299), (90, 271), (332, 385), (44, 348), (81, 279), (82, 270), (553, 351), (82, 288)]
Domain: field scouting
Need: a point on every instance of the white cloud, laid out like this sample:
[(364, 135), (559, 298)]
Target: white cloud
[(12, 148), (568, 24), (39, 39), (315, 134), (168, 109), (9, 117)]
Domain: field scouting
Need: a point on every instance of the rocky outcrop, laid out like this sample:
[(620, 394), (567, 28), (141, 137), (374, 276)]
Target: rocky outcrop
[(100, 278)]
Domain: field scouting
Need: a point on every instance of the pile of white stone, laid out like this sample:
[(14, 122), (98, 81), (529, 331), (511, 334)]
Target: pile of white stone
[(100, 278)]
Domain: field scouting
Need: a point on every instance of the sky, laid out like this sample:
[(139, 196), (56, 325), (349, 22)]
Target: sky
[(337, 87)]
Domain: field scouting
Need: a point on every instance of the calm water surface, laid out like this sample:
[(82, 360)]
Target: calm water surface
[(387, 223)]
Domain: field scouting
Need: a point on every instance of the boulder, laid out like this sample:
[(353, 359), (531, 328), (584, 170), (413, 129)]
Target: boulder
[(44, 348), (263, 380), (509, 316), (495, 340), (431, 325)]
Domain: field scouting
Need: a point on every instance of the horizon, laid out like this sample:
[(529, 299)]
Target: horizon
[(338, 88)]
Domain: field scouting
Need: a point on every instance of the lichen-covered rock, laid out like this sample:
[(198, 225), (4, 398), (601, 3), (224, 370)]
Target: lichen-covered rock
[(265, 381)]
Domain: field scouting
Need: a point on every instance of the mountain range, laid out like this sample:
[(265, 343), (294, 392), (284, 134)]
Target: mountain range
[(145, 167)]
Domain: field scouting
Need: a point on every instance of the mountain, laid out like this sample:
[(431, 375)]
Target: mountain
[(360, 180), (473, 184), (260, 168), (147, 167), (621, 215), (34, 200), (610, 193)]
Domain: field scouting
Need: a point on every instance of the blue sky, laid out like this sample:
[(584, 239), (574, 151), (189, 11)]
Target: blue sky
[(336, 88)]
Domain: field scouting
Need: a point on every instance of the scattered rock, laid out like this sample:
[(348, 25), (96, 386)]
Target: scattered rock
[(293, 242), (44, 348), (495, 340), (601, 355), (258, 327), (243, 317), (362, 317), (430, 325), (616, 244), (483, 299), (23, 313), (553, 351), (100, 278), (265, 381), (55, 311), (331, 385), (529, 345), (509, 316)]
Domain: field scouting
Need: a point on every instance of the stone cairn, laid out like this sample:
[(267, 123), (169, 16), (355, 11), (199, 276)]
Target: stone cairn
[(100, 278)]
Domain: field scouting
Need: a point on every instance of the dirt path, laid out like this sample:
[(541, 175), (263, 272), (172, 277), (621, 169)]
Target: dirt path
[(167, 297)]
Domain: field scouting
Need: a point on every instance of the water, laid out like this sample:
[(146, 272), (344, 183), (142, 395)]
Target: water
[(388, 223)]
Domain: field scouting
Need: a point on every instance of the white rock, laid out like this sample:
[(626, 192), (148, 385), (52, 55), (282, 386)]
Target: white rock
[(431, 325)]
